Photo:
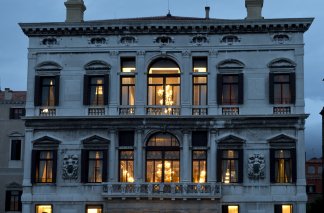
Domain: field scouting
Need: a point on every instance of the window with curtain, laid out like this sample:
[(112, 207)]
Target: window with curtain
[(283, 165), (230, 209), (127, 91), (126, 166), (95, 166), (283, 208), (230, 167), (46, 90), (45, 166), (95, 90), (282, 88), (199, 166), (200, 90), (230, 89), (162, 158), (44, 208)]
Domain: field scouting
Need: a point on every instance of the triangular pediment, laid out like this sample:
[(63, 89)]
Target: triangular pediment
[(282, 138), (48, 66), (231, 139), (46, 141), (97, 65), (282, 63), (14, 185), (95, 140), (231, 64), (16, 134)]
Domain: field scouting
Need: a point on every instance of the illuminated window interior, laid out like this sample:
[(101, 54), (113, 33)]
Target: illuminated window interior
[(44, 209), (126, 162), (286, 208), (230, 166), (128, 65), (283, 166), (233, 209), (199, 64), (94, 209)]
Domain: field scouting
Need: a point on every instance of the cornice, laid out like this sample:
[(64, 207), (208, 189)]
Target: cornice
[(166, 26)]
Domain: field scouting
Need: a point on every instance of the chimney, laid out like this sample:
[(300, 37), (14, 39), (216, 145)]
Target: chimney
[(8, 94), (74, 10), (254, 9), (207, 9)]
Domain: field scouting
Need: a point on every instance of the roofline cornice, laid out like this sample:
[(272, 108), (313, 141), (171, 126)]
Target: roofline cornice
[(134, 26)]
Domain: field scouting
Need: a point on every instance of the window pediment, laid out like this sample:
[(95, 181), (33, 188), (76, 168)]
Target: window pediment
[(231, 140), (282, 138), (282, 63), (46, 141), (97, 65), (15, 134), (48, 66), (231, 64), (95, 140), (14, 185)]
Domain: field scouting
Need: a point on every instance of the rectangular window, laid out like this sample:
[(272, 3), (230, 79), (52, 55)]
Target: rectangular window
[(94, 209), (126, 166), (95, 90), (230, 166), (126, 138), (283, 169), (44, 208), (45, 166), (200, 90), (15, 150), (94, 166), (230, 89), (127, 91), (128, 65), (284, 208), (13, 200), (199, 138), (199, 64), (282, 88), (47, 90), (230, 209), (17, 113), (164, 90), (199, 166)]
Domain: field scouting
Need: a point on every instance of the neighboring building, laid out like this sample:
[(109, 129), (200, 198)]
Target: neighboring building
[(12, 137), (314, 178), (165, 114)]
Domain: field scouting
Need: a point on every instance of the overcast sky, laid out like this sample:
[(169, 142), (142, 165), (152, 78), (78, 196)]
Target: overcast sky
[(13, 43)]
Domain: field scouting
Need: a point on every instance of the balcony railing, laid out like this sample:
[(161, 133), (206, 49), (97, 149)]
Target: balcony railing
[(163, 110), (47, 112), (200, 111), (230, 111), (281, 110), (95, 111), (162, 190), (126, 110)]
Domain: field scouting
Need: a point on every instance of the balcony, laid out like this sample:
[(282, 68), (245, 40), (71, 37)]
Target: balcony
[(126, 110), (200, 111), (281, 110), (47, 112), (163, 110), (230, 111), (162, 190), (96, 111)]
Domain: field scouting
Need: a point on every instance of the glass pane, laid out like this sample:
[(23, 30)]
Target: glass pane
[(157, 171), (172, 155), (230, 154), (282, 154), (154, 155), (200, 80), (124, 95), (233, 209), (171, 171), (286, 208), (176, 95), (126, 171), (95, 154), (196, 95), (43, 209), (203, 95), (94, 209), (199, 171), (150, 171), (126, 155), (172, 80), (46, 155), (281, 78), (131, 95), (230, 79), (199, 155), (130, 80), (155, 80)]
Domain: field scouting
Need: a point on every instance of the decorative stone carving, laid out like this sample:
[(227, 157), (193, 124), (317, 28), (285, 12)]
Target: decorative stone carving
[(256, 164), (70, 166), (186, 53), (141, 52), (199, 39), (49, 41), (127, 40), (97, 41), (114, 53)]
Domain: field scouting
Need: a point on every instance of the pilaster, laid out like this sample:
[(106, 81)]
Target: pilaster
[(140, 90), (212, 156), (139, 173), (113, 165)]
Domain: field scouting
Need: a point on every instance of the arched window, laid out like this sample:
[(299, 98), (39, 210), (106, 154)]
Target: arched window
[(164, 86), (162, 158)]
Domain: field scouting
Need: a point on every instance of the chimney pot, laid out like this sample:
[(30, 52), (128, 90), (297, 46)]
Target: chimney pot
[(74, 10)]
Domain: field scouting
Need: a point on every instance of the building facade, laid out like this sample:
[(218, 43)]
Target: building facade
[(314, 178), (165, 114), (12, 131)]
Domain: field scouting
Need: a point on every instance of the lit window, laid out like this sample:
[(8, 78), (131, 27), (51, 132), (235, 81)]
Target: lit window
[(230, 89), (45, 166), (199, 166), (126, 166), (95, 166), (127, 91), (199, 64), (128, 65), (95, 90), (282, 88), (46, 91), (163, 159), (44, 209), (283, 168), (285, 208), (230, 209), (94, 208), (230, 166)]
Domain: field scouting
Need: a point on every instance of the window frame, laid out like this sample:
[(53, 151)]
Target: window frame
[(12, 150), (52, 210), (292, 88), (128, 86), (239, 159), (39, 90), (35, 166), (240, 88), (85, 165), (93, 205), (199, 161), (278, 208), (120, 159), (13, 115), (293, 165), (8, 199), (225, 208), (87, 89)]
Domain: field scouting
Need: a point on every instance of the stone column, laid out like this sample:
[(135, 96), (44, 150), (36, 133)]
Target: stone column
[(186, 84), (27, 186), (114, 83), (211, 157), (140, 88), (139, 173), (185, 159), (113, 158)]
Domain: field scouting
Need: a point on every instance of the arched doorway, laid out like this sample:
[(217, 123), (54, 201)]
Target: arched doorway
[(162, 158)]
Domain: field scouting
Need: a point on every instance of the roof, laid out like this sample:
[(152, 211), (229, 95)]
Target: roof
[(166, 24), (18, 97)]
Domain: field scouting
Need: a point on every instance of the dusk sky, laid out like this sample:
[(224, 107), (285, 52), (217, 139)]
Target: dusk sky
[(13, 43)]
